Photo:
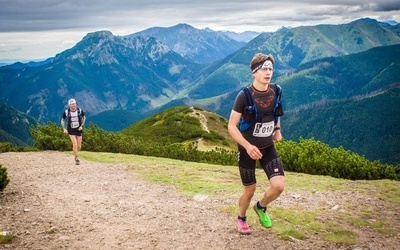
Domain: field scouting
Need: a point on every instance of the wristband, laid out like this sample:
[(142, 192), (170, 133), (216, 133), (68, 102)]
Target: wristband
[(277, 128)]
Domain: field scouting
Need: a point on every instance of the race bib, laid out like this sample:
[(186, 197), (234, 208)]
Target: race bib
[(263, 129), (74, 124)]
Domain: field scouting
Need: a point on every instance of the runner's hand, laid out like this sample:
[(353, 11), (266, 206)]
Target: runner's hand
[(254, 152)]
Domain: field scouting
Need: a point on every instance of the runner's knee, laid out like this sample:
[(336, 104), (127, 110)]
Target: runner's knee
[(277, 186), (249, 191)]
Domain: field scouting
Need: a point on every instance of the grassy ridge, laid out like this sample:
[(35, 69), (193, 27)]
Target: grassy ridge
[(182, 125)]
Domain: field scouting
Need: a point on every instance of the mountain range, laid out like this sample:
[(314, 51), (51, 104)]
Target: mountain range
[(121, 80), (200, 46)]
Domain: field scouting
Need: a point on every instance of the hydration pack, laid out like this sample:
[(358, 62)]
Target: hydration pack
[(68, 115), (250, 113)]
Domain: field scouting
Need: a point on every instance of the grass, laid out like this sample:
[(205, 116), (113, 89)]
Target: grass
[(304, 182), (190, 178), (223, 182), (4, 239)]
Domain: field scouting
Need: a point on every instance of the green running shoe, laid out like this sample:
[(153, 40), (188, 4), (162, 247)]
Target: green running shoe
[(264, 218)]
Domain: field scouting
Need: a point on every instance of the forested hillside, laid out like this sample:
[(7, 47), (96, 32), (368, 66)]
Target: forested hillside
[(361, 125), (14, 126)]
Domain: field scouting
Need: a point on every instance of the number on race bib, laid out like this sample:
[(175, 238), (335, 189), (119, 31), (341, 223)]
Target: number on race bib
[(74, 124), (263, 129)]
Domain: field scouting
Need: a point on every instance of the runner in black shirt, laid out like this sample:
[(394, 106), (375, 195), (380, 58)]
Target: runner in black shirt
[(257, 142)]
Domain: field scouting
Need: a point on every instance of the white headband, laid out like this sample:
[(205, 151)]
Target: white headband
[(261, 65)]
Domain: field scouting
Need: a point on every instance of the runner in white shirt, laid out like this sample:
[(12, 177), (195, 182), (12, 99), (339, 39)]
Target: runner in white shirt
[(75, 121)]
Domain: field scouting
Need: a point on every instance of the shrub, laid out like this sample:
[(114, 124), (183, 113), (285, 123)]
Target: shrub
[(50, 137), (3, 178), (306, 156), (314, 157), (6, 147), (9, 147)]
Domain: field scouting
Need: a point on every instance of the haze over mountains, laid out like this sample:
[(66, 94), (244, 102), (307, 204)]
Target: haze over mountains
[(121, 80)]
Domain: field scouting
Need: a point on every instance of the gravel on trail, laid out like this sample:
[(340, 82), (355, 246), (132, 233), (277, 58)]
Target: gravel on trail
[(51, 203)]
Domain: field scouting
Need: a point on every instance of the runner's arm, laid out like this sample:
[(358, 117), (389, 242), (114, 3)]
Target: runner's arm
[(234, 131), (63, 125), (83, 120), (277, 131)]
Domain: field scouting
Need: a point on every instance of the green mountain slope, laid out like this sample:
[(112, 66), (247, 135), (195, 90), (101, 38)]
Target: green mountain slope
[(115, 120), (294, 47), (6, 137), (14, 126), (317, 87), (342, 77), (332, 78), (367, 126)]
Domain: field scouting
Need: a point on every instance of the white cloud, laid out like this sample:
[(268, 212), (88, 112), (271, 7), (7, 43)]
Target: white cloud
[(43, 28)]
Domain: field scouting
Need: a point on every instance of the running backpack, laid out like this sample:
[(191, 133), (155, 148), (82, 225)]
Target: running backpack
[(68, 115), (250, 114)]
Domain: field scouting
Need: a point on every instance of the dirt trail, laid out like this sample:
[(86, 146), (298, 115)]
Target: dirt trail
[(50, 203)]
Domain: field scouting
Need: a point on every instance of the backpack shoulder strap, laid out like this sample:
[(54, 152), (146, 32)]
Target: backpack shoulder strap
[(248, 97), (251, 107), (278, 92)]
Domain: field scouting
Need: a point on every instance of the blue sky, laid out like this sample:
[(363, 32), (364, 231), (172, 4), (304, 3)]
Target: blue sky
[(38, 29)]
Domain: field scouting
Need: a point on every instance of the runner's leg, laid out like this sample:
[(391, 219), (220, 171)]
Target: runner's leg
[(79, 142), (74, 141), (277, 185), (245, 199)]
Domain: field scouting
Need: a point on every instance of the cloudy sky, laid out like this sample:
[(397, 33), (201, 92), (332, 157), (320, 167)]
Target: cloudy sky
[(38, 29)]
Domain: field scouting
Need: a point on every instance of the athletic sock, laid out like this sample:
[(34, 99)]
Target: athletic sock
[(242, 218), (259, 206)]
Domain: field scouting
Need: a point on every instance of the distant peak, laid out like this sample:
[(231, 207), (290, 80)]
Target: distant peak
[(102, 33), (391, 22), (366, 20), (284, 28), (183, 26)]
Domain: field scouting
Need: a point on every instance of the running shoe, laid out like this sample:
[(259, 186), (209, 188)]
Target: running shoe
[(243, 228), (262, 214), (77, 162)]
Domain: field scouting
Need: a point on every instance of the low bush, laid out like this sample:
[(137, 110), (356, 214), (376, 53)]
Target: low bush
[(3, 178), (314, 157), (307, 156)]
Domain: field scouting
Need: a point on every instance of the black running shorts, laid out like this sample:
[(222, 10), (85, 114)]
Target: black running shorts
[(270, 162)]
